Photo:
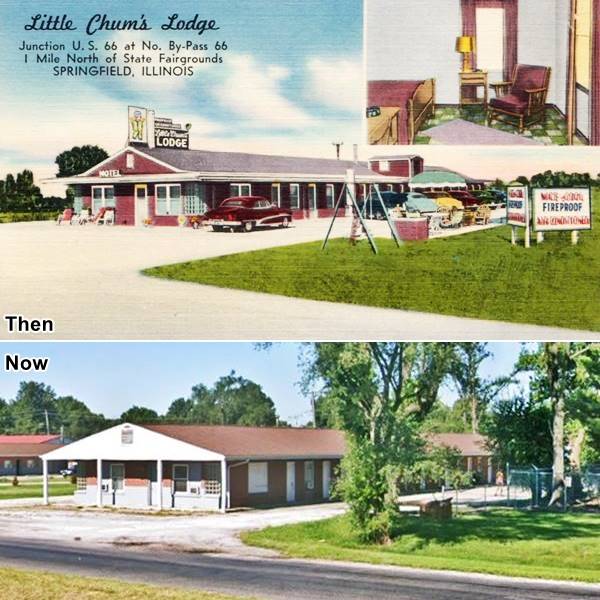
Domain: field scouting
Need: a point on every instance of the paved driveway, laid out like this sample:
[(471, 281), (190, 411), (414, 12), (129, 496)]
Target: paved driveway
[(200, 532), (88, 280)]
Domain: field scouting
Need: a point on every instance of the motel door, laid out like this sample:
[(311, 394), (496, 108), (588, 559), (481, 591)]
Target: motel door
[(141, 204), (312, 199), (326, 478), (291, 482)]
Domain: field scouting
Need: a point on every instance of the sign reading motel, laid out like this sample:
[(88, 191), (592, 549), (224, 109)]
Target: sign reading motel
[(562, 209), (517, 206)]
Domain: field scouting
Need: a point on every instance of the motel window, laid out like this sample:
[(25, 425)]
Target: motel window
[(276, 194), (77, 198), (490, 39), (330, 195), (258, 478), (194, 202), (102, 196), (240, 189), (312, 196), (30, 463), (168, 199), (384, 165), (180, 478), (583, 44), (309, 474), (294, 195), (390, 187), (130, 160), (117, 476), (8, 464)]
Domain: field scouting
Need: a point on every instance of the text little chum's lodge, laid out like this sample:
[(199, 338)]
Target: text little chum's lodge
[(157, 180)]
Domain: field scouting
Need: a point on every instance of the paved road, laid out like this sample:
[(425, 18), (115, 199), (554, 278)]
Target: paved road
[(88, 280), (290, 579)]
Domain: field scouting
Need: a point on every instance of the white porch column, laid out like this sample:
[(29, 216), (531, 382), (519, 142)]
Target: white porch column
[(224, 485), (99, 482), (159, 482), (45, 481)]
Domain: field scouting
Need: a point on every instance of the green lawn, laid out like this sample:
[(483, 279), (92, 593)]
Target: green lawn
[(34, 490), (542, 545), (34, 585), (475, 275)]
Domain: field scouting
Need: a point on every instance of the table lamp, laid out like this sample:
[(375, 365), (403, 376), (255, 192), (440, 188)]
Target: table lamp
[(465, 44)]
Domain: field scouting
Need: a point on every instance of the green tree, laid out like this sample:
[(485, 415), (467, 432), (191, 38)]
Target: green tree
[(79, 159), (379, 394), (76, 419), (233, 400), (32, 408), (140, 414)]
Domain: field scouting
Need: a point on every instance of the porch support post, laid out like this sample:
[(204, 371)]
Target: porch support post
[(45, 481), (159, 482), (223, 485), (99, 482)]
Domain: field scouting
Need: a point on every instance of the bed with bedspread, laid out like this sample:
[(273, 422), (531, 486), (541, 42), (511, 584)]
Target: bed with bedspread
[(397, 109)]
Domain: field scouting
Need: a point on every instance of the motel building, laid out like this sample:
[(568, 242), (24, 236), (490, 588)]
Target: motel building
[(158, 180), (205, 467), (20, 454)]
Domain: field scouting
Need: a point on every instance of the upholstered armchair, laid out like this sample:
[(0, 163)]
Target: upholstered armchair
[(523, 99)]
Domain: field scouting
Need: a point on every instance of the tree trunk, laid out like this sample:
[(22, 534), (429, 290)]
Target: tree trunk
[(474, 416), (576, 440), (558, 461)]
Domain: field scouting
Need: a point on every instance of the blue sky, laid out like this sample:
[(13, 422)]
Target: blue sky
[(110, 377), (292, 71)]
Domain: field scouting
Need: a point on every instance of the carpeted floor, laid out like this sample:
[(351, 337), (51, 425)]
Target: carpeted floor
[(553, 132)]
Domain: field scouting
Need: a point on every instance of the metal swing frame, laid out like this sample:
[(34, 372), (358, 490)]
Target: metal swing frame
[(348, 191)]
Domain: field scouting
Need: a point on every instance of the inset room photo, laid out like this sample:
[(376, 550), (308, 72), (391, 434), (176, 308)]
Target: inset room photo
[(497, 72)]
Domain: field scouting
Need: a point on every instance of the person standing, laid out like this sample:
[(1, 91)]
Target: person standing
[(499, 483)]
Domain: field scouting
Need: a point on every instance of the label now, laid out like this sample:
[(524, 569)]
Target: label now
[(16, 363)]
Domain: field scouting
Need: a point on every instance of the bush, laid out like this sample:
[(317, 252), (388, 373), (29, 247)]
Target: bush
[(15, 481), (18, 217)]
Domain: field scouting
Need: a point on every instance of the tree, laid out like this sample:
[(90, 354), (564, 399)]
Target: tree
[(564, 377), (76, 419), (474, 392), (233, 400), (32, 408), (79, 159), (379, 393), (140, 414)]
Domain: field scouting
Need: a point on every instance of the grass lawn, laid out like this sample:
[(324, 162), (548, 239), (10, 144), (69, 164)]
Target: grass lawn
[(474, 275), (34, 585), (34, 490), (542, 545)]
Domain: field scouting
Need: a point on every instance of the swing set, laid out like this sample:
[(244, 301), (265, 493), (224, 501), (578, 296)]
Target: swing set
[(348, 192)]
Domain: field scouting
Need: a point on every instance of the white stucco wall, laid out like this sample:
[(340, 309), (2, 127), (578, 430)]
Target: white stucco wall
[(415, 40)]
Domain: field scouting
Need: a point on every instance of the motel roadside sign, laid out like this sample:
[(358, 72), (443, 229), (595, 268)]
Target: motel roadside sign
[(517, 211), (562, 209)]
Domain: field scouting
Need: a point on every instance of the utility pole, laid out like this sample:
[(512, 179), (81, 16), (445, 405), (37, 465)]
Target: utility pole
[(47, 422), (313, 406), (337, 145)]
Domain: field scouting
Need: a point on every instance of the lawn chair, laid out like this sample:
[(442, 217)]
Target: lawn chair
[(99, 217), (453, 219), (435, 223), (109, 217), (82, 218), (483, 215), (66, 216)]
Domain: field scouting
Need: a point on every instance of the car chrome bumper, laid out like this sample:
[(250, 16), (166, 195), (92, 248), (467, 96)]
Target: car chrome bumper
[(222, 223)]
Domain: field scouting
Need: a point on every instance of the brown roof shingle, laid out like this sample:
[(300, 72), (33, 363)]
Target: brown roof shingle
[(469, 444), (12, 450), (259, 442)]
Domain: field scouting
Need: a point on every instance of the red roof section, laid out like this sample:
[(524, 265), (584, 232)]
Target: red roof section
[(259, 442), (13, 450), (468, 444), (28, 439)]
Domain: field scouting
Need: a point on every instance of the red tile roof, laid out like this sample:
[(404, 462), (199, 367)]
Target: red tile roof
[(259, 442), (13, 450), (468, 444), (28, 439)]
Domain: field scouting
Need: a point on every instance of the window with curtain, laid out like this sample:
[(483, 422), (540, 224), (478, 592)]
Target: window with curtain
[(583, 43), (294, 195), (168, 199), (490, 39)]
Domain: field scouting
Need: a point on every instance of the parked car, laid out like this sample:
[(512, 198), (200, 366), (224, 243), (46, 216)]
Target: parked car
[(244, 213), (466, 198), (391, 200), (444, 200), (68, 472)]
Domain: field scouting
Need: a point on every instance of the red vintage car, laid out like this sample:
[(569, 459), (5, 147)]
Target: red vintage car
[(465, 197), (244, 213)]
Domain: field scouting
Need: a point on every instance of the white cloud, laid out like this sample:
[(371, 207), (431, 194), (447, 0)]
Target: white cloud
[(337, 83), (253, 93)]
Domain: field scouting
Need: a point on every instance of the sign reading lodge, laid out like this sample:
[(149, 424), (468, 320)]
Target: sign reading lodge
[(170, 135)]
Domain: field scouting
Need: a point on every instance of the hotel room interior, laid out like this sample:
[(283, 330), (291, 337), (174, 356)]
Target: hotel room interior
[(498, 72)]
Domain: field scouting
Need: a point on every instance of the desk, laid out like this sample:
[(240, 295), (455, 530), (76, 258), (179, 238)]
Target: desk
[(473, 80)]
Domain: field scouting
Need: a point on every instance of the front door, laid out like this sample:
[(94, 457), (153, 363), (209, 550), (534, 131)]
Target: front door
[(141, 204), (312, 199), (291, 482), (326, 478)]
